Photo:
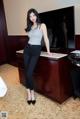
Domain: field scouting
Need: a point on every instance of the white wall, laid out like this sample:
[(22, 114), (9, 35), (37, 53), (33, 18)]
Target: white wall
[(16, 12), (77, 17)]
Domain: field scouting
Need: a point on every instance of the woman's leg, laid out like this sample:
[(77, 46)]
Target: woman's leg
[(30, 72), (26, 63), (30, 61)]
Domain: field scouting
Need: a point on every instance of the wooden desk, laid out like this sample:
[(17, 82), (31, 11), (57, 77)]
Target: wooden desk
[(52, 75)]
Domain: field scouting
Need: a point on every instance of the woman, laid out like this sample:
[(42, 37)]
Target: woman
[(35, 31)]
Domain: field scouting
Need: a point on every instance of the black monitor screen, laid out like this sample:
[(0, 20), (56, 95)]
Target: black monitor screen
[(60, 27)]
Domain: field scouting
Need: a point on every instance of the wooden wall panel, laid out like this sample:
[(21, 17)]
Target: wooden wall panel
[(15, 43), (77, 41), (18, 42)]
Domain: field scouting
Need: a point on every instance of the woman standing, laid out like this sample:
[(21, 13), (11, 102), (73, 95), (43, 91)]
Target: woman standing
[(35, 31)]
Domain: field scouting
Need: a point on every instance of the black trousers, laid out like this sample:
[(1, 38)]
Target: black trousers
[(31, 55)]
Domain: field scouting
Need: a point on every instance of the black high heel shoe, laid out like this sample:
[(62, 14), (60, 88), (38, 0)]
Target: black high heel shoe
[(29, 101), (33, 102)]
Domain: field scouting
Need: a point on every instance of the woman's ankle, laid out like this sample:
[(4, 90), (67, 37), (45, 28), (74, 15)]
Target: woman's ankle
[(28, 94), (33, 95)]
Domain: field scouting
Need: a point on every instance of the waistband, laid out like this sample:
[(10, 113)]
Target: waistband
[(32, 45)]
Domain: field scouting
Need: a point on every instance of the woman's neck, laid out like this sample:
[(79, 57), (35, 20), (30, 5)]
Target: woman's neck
[(34, 25)]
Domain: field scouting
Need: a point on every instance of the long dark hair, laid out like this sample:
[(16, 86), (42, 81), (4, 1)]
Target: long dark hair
[(29, 23)]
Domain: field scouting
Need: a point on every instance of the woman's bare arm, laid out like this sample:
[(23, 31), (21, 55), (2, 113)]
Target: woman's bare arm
[(46, 40)]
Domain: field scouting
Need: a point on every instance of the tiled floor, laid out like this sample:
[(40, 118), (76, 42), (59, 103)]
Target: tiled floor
[(15, 101)]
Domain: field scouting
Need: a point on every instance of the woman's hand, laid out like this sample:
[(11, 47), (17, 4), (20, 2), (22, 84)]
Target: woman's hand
[(49, 53)]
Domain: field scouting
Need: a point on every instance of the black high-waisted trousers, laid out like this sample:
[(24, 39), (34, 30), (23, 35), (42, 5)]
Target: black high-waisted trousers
[(31, 55)]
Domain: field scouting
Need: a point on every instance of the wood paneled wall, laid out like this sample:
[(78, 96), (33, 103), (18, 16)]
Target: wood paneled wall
[(15, 43), (77, 41)]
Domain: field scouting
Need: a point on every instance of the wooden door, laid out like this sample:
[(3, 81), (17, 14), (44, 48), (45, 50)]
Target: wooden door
[(3, 34)]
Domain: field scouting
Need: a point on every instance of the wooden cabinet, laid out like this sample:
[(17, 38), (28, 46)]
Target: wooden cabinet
[(52, 77)]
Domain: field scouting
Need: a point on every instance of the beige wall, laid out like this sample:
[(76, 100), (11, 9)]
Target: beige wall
[(77, 17), (16, 10)]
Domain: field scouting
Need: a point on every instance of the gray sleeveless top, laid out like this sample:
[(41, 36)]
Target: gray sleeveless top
[(35, 36)]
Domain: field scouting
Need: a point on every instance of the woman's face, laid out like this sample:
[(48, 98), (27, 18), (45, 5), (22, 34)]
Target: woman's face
[(33, 17)]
